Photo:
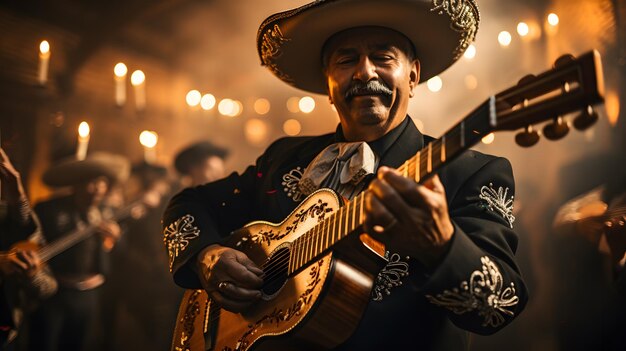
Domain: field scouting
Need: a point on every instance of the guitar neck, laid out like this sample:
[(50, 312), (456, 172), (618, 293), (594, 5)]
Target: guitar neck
[(69, 240), (420, 167)]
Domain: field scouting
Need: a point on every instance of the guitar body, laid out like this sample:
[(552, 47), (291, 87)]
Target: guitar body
[(317, 307), (314, 302)]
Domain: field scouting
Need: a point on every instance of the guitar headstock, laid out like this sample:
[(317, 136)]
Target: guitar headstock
[(574, 84)]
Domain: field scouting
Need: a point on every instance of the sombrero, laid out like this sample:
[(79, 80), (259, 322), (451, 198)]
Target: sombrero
[(290, 43), (70, 171), (195, 154)]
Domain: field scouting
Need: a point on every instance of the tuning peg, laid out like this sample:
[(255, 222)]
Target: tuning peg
[(586, 118), (556, 130), (526, 79), (527, 138), (565, 59)]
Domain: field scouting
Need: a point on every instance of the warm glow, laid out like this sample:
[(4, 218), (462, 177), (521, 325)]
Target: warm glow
[(120, 70), (226, 107), (83, 129), (553, 19), (434, 84), (262, 106), (207, 102), (137, 78), (504, 38), (488, 139), (523, 29), (292, 127), (471, 82), (44, 47), (293, 104), (470, 53), (148, 138), (193, 98), (611, 103), (255, 131), (237, 108), (306, 104)]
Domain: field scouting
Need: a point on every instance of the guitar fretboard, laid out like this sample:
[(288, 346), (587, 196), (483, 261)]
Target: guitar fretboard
[(419, 168)]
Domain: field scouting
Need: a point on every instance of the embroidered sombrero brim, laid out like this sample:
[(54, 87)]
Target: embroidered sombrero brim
[(71, 171), (290, 43)]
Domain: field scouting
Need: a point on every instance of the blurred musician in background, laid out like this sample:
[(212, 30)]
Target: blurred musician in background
[(23, 282), (69, 320), (200, 163), (141, 300), (591, 244)]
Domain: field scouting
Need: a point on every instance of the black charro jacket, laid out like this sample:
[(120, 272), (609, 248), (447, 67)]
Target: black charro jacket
[(477, 287)]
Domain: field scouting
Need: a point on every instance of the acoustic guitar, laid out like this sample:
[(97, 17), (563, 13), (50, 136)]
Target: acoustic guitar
[(48, 251), (319, 269)]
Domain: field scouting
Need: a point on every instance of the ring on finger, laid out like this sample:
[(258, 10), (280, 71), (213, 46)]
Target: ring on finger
[(223, 285)]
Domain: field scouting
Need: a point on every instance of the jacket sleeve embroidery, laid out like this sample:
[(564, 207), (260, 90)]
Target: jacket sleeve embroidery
[(482, 294), (390, 276), (177, 235), (290, 183), (497, 202)]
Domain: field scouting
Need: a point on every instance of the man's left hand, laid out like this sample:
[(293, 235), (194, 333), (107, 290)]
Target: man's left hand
[(409, 218), (110, 232)]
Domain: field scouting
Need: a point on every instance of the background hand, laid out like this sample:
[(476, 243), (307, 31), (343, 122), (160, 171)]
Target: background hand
[(110, 232), (19, 261), (230, 278), (11, 182), (409, 218)]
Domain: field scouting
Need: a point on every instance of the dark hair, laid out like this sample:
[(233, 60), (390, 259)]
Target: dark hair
[(195, 154)]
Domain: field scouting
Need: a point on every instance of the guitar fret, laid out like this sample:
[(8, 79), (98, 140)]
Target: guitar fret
[(317, 240), (345, 222), (310, 247), (354, 220), (417, 166), (443, 149), (429, 166), (361, 207)]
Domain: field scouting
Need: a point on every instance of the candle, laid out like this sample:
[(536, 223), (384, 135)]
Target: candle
[(149, 141), (138, 80), (83, 141), (44, 59), (120, 71)]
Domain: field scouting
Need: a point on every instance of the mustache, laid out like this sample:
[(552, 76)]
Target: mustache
[(372, 87)]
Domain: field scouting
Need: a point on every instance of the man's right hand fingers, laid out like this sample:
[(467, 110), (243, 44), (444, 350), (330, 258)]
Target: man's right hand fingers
[(231, 290), (239, 274), (231, 304)]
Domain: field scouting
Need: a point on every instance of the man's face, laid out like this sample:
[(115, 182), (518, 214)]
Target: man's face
[(370, 80), (210, 170), (93, 191)]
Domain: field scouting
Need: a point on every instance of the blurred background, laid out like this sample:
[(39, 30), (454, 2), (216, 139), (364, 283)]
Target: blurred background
[(188, 70)]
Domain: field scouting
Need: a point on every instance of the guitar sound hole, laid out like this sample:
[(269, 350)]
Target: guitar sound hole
[(276, 270)]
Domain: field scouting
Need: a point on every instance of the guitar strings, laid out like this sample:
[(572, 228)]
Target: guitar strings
[(436, 148), (276, 266)]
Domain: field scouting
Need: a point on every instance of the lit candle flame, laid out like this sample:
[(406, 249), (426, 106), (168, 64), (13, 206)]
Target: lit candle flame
[(137, 78), (44, 47), (83, 129), (120, 70), (148, 138)]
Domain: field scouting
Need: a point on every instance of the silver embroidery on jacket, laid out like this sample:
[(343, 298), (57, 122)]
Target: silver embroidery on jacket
[(498, 202), (177, 235), (482, 294), (390, 276), (290, 183)]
